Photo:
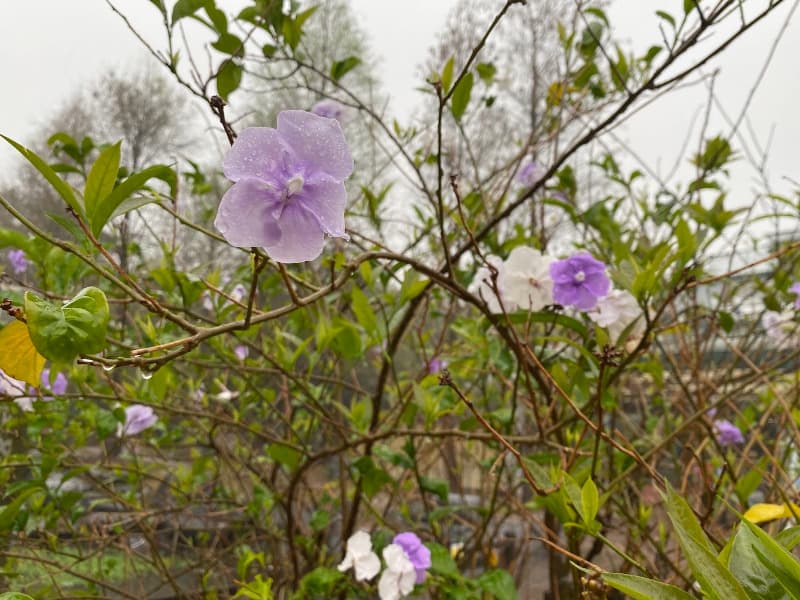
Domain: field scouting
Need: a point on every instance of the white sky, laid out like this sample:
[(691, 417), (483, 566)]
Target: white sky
[(49, 47)]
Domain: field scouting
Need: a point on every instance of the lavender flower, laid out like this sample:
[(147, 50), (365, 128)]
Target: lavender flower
[(59, 386), (241, 352), (137, 419), (579, 281), (288, 191), (435, 365), (728, 434), (530, 172), (18, 261), (330, 109), (417, 552), (795, 289)]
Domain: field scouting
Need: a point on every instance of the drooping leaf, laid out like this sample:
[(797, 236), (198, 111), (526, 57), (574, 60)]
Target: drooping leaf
[(18, 356), (228, 78), (61, 333), (341, 67), (62, 187), (185, 8)]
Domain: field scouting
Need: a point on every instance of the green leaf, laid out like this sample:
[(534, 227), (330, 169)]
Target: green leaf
[(61, 333), (412, 286), (228, 78), (789, 538), (110, 206), (363, 311), (782, 564), (447, 74), (640, 588), (14, 596), (291, 32), (285, 455), (101, 179), (341, 67), (11, 510), (461, 94), (62, 187), (486, 71), (667, 17), (441, 561), (372, 478), (754, 576), (186, 8), (591, 501), (714, 578), (229, 44), (499, 584), (438, 487)]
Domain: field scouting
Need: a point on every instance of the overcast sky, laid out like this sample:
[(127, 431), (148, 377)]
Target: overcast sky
[(48, 48)]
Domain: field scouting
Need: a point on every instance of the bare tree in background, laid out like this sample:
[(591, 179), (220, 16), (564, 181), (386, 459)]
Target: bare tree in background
[(515, 119)]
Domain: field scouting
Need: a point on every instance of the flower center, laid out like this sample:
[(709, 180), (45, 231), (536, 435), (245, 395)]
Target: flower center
[(533, 282), (580, 277), (294, 185)]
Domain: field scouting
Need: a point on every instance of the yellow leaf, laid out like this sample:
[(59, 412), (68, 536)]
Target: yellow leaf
[(18, 356), (760, 513)]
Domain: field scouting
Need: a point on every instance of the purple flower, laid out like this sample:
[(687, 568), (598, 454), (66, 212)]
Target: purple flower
[(59, 386), (436, 364), (417, 553), (288, 191), (18, 261), (330, 109), (579, 281), (530, 172), (241, 352), (728, 434), (795, 289), (137, 419)]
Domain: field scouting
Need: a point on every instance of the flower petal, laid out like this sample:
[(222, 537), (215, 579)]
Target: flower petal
[(317, 142), (359, 543), (367, 566), (258, 152), (326, 198), (301, 236), (244, 217)]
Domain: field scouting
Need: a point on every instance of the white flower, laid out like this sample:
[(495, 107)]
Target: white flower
[(616, 311), (482, 286), (525, 278), (399, 577), (360, 556)]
